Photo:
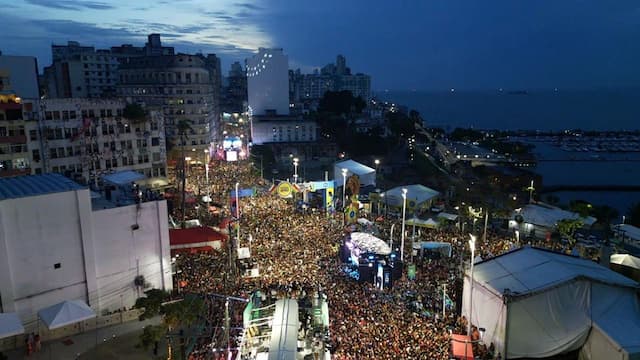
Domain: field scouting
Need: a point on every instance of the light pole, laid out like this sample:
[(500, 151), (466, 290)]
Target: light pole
[(404, 212), (238, 215), (391, 237), (380, 203), (344, 185), (295, 170), (472, 246), (518, 237), (377, 162)]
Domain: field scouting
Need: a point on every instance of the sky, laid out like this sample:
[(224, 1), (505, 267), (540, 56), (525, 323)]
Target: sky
[(402, 44)]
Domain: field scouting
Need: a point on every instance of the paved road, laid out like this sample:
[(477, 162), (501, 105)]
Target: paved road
[(115, 342)]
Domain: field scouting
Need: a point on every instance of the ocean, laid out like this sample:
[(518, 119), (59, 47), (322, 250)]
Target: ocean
[(545, 110), (537, 110)]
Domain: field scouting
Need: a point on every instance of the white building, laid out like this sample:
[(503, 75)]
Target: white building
[(54, 247), (268, 82), (86, 138), (273, 130)]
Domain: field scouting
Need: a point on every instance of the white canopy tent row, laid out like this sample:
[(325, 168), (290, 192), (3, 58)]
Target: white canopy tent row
[(536, 303), (65, 313), (366, 174), (418, 197), (10, 325)]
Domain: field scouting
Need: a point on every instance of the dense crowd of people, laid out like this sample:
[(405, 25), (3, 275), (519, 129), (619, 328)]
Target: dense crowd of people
[(297, 252)]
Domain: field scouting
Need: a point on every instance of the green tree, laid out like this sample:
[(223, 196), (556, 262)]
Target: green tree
[(633, 215), (341, 103), (581, 207), (182, 313), (134, 112), (151, 303), (151, 334), (568, 227)]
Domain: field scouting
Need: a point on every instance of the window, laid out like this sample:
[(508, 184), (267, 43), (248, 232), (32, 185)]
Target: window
[(69, 151), (36, 155), (156, 157), (56, 115), (33, 135), (155, 141)]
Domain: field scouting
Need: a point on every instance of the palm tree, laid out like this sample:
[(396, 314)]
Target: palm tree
[(183, 127)]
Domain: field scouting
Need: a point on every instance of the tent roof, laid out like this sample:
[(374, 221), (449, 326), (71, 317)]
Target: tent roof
[(65, 313), (527, 270), (10, 325), (548, 216), (629, 230), (194, 235), (154, 182), (416, 192), (626, 260), (450, 217), (123, 177), (354, 167), (369, 243), (32, 185)]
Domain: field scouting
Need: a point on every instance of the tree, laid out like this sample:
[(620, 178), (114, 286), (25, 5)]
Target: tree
[(151, 303), (341, 103), (568, 227), (134, 112), (633, 215), (182, 313), (581, 207), (151, 334), (183, 127)]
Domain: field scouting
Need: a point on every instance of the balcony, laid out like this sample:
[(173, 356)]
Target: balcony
[(14, 172), (16, 139), (10, 106)]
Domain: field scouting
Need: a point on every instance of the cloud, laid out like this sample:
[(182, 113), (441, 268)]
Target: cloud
[(75, 5), (73, 29), (248, 6)]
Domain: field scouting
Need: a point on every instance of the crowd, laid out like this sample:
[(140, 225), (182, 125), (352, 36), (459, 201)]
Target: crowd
[(296, 252)]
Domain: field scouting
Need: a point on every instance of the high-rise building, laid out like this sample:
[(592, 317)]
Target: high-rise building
[(183, 87), (19, 75), (80, 72), (268, 82), (332, 77), (234, 95), (83, 72), (19, 139), (85, 139)]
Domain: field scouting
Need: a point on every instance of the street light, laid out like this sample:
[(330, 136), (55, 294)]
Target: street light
[(344, 185), (518, 237), (404, 212), (295, 170), (472, 246)]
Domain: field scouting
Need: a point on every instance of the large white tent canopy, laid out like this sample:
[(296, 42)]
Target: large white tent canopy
[(10, 325), (554, 296), (417, 196), (626, 260), (366, 174), (65, 313)]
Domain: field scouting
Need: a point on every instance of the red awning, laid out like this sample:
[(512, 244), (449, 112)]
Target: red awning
[(194, 235), (461, 347)]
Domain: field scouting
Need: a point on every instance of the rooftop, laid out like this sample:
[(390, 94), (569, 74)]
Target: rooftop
[(33, 185)]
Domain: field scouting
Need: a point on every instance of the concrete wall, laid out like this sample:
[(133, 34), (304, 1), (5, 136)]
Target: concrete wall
[(122, 253), (36, 233), (99, 252)]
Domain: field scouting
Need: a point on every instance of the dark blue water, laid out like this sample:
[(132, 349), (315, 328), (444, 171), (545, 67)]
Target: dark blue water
[(545, 110), (538, 110)]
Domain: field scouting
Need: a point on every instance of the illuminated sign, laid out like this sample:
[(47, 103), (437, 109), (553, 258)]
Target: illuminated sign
[(285, 190)]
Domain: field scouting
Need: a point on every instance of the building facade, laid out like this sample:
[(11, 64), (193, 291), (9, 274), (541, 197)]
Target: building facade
[(307, 88), (266, 130), (268, 82), (86, 138), (234, 91), (183, 87), (54, 247)]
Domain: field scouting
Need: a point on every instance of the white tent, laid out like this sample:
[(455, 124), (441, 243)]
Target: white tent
[(10, 325), (121, 178), (65, 313), (626, 260), (366, 174), (536, 303), (418, 196), (429, 223)]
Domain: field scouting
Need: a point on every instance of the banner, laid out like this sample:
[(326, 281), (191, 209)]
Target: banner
[(243, 192), (411, 272), (352, 214)]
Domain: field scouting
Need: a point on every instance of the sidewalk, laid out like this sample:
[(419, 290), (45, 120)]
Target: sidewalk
[(121, 337)]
